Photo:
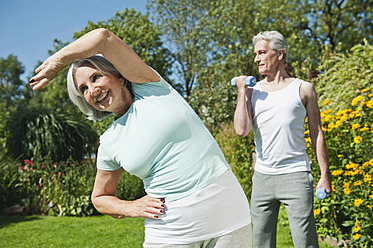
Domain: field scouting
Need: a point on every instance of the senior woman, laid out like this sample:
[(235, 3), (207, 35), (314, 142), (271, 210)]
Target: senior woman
[(193, 198)]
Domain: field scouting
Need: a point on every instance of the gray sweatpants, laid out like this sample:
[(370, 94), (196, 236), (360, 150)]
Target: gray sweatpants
[(295, 191)]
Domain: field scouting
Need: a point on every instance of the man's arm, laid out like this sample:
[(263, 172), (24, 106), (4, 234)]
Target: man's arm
[(242, 115), (309, 99)]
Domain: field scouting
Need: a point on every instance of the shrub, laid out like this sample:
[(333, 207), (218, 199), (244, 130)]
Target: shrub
[(343, 74), (62, 189), (38, 133), (239, 153), (57, 189), (347, 212), (10, 192), (130, 187)]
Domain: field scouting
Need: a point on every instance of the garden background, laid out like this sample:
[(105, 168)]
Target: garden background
[(46, 161)]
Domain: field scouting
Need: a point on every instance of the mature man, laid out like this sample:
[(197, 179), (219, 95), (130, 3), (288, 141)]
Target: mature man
[(276, 109)]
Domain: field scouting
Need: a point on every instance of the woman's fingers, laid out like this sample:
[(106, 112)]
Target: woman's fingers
[(38, 84), (46, 72), (148, 207)]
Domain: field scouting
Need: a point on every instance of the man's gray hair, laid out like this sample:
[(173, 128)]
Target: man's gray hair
[(276, 41), (102, 65)]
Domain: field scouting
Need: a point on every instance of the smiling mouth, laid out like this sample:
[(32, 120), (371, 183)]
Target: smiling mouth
[(102, 97)]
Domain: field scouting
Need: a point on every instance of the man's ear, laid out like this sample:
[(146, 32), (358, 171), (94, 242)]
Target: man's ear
[(280, 54)]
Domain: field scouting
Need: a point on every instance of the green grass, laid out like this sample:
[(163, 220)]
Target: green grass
[(42, 231), (98, 231)]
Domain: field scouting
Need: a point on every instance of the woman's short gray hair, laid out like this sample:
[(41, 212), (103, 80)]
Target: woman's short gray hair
[(276, 41), (102, 65)]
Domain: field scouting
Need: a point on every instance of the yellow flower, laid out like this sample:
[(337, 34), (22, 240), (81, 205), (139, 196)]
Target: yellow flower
[(337, 172), (367, 178), (316, 211), (357, 183), (328, 117), (347, 191), (370, 95), (357, 228), (337, 124), (370, 104), (344, 118), (355, 126), (371, 196), (340, 155), (308, 140), (358, 139), (331, 125), (356, 100), (364, 90), (365, 128), (306, 132), (351, 165), (326, 102), (356, 236), (357, 202)]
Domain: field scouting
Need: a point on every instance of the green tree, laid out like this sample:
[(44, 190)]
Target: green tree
[(186, 27), (339, 21), (10, 90), (54, 96), (140, 34), (10, 83)]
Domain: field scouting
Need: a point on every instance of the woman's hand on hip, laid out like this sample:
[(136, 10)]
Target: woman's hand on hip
[(146, 206)]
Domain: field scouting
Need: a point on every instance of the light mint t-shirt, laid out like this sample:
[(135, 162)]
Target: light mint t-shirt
[(161, 140)]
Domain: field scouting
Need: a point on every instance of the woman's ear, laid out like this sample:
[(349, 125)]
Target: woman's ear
[(121, 80)]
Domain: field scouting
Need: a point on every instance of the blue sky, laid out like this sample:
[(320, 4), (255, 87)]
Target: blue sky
[(28, 27)]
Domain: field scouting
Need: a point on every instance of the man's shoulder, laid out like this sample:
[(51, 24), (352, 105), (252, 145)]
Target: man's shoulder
[(306, 86)]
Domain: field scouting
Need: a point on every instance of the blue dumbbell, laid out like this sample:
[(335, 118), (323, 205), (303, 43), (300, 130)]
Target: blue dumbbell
[(249, 81), (321, 193)]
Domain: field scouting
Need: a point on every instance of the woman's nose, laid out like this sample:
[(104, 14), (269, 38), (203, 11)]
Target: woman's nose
[(94, 91)]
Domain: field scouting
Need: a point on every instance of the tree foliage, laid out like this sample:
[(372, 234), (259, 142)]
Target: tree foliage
[(140, 34), (10, 83), (186, 27), (339, 21)]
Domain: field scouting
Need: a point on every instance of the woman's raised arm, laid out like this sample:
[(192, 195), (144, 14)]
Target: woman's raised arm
[(98, 41)]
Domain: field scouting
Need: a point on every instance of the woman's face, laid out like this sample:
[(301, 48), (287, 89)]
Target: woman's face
[(266, 58), (103, 92)]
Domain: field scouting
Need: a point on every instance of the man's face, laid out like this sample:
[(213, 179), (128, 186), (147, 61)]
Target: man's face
[(266, 58)]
